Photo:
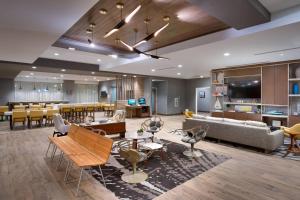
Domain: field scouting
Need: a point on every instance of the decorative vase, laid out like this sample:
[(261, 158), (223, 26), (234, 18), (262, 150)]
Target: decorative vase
[(218, 105), (297, 72), (295, 88)]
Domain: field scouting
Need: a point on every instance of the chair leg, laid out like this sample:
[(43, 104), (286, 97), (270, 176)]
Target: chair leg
[(133, 168), (60, 159), (53, 152), (192, 147), (67, 171), (80, 177), (102, 175), (48, 150)]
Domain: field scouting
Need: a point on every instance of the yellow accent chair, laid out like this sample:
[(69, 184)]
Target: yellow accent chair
[(3, 109), (293, 129), (188, 114), (19, 116), (37, 116)]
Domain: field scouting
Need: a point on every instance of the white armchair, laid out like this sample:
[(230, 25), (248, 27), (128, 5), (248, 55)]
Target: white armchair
[(61, 126)]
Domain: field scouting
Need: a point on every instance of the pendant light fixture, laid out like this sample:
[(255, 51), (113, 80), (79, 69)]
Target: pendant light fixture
[(20, 86), (127, 19), (91, 31)]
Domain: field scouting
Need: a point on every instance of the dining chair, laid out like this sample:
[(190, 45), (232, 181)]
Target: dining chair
[(37, 116), (19, 116), (3, 109), (49, 116)]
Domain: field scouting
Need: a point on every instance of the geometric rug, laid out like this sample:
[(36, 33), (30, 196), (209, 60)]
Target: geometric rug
[(282, 150), (163, 175)]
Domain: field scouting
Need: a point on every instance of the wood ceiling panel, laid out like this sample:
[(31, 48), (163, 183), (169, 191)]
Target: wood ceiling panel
[(192, 22)]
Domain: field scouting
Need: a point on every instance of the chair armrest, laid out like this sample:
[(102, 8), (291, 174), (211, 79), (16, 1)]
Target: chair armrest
[(274, 140)]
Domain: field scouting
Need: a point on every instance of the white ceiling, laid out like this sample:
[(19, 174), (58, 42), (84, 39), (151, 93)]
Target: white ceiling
[(58, 77), (38, 23), (278, 5), (28, 28)]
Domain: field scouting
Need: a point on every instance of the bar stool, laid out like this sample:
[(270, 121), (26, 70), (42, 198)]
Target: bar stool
[(66, 112), (90, 111), (78, 113)]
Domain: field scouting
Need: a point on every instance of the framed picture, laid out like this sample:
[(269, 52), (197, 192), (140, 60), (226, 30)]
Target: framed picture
[(201, 94)]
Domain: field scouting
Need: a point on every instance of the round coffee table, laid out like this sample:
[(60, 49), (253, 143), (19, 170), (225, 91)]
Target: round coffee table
[(134, 136)]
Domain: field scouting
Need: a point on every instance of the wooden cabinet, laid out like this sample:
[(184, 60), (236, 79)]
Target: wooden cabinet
[(275, 85), (242, 116), (217, 114), (293, 120)]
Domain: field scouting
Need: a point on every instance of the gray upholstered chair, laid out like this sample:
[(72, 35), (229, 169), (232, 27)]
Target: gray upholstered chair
[(153, 125), (193, 136)]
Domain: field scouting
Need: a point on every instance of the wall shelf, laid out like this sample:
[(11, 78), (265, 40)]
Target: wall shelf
[(294, 95), (244, 103), (294, 79), (274, 116)]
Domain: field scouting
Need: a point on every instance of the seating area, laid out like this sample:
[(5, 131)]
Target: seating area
[(143, 100)]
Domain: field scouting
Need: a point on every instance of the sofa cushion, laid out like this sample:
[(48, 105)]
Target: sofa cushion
[(214, 118), (256, 123), (199, 116), (234, 121)]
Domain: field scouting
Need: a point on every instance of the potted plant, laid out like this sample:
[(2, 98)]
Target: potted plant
[(140, 131)]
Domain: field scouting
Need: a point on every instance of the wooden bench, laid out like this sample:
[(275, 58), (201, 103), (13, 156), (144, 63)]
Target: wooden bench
[(82, 147)]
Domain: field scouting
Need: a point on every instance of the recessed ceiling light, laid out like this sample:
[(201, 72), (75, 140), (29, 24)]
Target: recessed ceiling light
[(85, 79), (103, 11), (282, 54), (63, 70), (98, 60), (56, 54), (226, 54), (134, 76), (94, 78), (256, 81), (201, 76), (179, 66), (98, 80), (114, 56), (33, 67), (249, 84), (178, 73), (124, 75), (71, 48), (92, 72), (61, 75), (27, 76), (153, 70), (31, 74), (54, 78), (108, 79)]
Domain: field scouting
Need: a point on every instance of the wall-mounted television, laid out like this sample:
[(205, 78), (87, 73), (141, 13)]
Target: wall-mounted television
[(249, 88), (131, 102), (142, 101), (103, 94)]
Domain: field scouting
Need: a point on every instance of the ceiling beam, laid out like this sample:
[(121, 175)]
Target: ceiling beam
[(238, 14)]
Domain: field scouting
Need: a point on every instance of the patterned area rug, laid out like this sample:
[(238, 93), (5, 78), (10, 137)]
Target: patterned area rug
[(281, 151), (163, 175)]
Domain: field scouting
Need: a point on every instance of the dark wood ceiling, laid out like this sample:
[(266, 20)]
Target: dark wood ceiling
[(192, 22)]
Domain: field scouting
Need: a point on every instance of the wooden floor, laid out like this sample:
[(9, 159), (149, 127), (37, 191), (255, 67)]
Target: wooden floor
[(26, 174)]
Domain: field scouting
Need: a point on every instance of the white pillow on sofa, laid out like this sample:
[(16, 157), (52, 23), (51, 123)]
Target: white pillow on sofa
[(256, 123), (234, 121), (198, 116), (214, 118)]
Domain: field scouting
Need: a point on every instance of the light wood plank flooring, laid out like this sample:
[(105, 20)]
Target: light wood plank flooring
[(26, 174)]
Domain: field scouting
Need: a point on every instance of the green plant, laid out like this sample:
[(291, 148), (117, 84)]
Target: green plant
[(140, 130)]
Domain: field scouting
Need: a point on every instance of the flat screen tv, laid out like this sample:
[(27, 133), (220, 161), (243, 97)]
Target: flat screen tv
[(142, 101), (131, 102), (244, 91), (103, 94)]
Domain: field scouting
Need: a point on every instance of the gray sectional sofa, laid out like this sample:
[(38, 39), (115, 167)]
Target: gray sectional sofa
[(251, 133)]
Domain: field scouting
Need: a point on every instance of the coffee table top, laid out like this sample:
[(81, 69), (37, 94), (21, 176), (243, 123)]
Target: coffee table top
[(134, 135), (152, 145)]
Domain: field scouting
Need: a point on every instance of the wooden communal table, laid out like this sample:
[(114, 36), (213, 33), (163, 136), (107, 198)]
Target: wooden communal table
[(110, 127), (9, 114)]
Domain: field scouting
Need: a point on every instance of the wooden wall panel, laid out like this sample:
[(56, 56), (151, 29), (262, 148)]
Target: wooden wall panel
[(281, 84), (242, 72), (268, 84)]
